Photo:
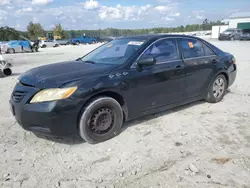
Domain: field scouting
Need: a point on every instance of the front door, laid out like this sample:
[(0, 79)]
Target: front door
[(200, 63), (160, 84)]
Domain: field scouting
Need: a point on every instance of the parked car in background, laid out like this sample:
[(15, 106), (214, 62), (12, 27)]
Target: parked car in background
[(231, 34), (245, 36), (121, 80), (83, 40), (16, 47), (48, 43), (62, 41)]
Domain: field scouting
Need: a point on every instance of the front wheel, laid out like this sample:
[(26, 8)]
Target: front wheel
[(217, 89), (101, 120)]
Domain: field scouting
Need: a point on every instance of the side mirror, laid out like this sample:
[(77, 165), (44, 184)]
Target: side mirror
[(146, 61)]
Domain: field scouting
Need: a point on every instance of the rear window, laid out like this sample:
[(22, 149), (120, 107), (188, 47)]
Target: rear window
[(191, 48), (208, 51)]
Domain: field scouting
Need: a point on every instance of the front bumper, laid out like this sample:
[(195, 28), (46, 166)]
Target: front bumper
[(58, 118)]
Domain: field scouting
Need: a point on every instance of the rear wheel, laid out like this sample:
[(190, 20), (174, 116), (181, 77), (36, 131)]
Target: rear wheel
[(217, 89), (11, 51), (101, 120)]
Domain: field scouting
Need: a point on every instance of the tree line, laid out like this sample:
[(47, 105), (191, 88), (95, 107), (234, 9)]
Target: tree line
[(35, 30)]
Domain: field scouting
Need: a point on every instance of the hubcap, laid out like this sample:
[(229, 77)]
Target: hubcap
[(101, 121), (218, 88)]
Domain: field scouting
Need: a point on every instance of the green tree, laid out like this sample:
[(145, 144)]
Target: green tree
[(59, 31), (35, 30)]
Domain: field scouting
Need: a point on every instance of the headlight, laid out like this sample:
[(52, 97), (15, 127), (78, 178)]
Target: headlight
[(53, 94)]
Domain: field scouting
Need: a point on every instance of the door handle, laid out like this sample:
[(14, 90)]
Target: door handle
[(214, 61), (178, 68)]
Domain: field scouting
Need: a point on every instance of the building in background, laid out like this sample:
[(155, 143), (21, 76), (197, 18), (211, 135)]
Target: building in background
[(239, 20)]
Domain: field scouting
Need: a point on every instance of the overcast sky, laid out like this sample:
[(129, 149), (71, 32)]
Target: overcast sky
[(91, 14)]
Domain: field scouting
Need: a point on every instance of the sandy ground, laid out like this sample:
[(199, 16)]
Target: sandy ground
[(197, 145)]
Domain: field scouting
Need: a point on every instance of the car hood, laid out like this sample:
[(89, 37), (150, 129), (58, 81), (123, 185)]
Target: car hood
[(55, 75)]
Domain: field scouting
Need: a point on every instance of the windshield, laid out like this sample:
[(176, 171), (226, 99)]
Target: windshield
[(114, 52), (229, 31)]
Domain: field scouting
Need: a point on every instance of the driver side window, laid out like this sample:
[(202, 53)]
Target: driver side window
[(163, 51)]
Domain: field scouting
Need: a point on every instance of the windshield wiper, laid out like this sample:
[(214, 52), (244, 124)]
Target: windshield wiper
[(79, 59), (92, 62)]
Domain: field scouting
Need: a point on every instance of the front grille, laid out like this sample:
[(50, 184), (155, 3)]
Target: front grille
[(18, 96)]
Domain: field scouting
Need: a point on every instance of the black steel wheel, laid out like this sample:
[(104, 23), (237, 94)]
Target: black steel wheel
[(100, 120), (217, 89)]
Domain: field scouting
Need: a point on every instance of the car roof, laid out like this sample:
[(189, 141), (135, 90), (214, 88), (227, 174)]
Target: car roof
[(156, 36)]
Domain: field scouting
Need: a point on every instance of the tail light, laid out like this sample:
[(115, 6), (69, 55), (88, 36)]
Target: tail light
[(234, 60)]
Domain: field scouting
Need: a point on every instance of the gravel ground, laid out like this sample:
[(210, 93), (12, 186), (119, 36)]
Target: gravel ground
[(197, 145)]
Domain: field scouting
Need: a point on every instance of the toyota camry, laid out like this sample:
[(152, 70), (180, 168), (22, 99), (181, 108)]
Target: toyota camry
[(124, 79)]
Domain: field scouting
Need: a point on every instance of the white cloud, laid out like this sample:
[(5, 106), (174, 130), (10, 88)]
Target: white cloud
[(91, 5), (35, 19), (3, 16), (167, 19), (131, 13), (5, 2), (91, 10), (163, 9), (163, 1), (41, 2), (174, 14), (200, 17), (9, 7), (199, 14), (144, 10), (110, 13), (24, 10)]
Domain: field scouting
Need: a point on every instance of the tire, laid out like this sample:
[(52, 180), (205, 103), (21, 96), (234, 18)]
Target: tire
[(67, 43), (44, 46), (220, 90), (56, 45), (7, 72), (89, 124), (77, 42), (10, 51)]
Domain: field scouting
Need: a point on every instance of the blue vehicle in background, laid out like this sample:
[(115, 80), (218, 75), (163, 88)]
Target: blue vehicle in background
[(17, 46), (83, 40)]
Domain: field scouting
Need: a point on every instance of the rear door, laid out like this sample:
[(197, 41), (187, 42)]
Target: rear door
[(199, 62)]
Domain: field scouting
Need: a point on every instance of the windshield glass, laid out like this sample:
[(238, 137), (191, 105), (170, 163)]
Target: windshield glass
[(114, 52), (229, 31)]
